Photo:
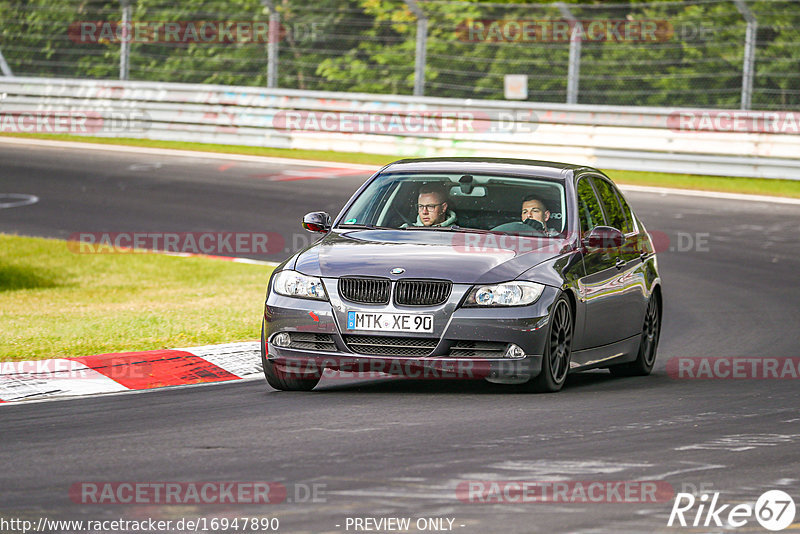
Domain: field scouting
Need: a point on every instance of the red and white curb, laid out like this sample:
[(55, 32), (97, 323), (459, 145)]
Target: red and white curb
[(113, 373)]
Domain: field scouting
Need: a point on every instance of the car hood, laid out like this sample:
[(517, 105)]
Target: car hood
[(463, 257)]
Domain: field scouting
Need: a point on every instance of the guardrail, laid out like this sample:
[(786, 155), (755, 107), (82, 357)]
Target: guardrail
[(714, 142)]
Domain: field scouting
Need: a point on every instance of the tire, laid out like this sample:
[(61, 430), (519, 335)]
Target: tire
[(281, 380), (558, 350), (648, 346)]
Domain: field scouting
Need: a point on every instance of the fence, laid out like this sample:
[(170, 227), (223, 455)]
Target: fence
[(703, 53), (758, 144)]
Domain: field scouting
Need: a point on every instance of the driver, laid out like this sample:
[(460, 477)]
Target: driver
[(432, 206), (535, 211), (535, 214)]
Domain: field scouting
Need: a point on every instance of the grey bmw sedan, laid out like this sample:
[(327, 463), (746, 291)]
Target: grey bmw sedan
[(513, 271)]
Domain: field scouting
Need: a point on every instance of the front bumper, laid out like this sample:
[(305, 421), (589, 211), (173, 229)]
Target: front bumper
[(524, 326)]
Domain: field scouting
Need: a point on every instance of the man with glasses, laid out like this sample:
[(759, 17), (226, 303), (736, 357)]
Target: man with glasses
[(432, 207)]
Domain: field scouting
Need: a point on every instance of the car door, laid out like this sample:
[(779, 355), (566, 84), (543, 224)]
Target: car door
[(630, 297), (598, 285)]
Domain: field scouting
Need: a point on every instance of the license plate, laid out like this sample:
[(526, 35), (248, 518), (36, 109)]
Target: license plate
[(389, 322)]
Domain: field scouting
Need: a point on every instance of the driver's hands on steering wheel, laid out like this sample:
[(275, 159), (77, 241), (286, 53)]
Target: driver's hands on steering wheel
[(536, 225)]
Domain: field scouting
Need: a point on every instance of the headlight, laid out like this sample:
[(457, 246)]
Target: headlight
[(294, 284), (505, 294)]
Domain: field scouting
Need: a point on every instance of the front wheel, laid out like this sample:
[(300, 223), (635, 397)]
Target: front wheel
[(651, 329), (558, 350), (285, 380)]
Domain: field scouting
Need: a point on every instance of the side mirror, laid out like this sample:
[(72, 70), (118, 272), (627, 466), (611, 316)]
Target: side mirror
[(604, 237), (317, 221)]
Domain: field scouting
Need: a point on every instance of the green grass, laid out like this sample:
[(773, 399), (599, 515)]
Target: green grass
[(56, 303), (755, 186), (750, 186)]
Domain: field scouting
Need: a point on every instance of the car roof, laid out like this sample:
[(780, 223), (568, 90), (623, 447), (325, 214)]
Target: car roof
[(509, 166)]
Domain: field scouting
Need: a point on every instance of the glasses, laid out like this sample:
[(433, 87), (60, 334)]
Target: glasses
[(428, 207)]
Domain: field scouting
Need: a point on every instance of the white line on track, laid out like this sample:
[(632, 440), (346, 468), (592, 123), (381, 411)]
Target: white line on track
[(355, 166)]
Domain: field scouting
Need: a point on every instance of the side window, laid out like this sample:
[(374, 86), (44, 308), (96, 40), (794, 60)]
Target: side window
[(628, 214), (590, 214), (611, 205)]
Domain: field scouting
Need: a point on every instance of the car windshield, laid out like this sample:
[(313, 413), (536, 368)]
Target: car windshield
[(505, 204)]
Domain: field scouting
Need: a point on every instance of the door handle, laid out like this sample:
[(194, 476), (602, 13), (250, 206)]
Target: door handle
[(619, 263)]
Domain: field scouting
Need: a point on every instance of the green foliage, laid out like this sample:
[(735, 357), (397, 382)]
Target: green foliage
[(369, 46)]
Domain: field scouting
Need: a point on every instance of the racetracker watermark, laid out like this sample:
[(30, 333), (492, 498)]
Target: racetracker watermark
[(203, 493), (564, 492), (64, 369), (563, 31), (190, 32), (733, 368), (74, 122), (412, 122), (347, 368), (783, 122), (208, 243), (142, 524), (477, 243)]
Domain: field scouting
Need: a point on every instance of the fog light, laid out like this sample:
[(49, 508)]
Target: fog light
[(282, 340), (514, 351)]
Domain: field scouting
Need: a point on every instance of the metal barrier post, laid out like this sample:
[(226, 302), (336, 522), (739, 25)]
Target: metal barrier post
[(422, 40), (574, 69), (748, 66), (125, 44), (272, 44), (4, 68)]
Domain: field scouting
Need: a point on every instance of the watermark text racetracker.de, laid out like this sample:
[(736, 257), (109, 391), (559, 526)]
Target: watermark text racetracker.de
[(144, 525), (226, 243), (408, 122), (197, 493), (566, 492), (74, 122), (116, 368), (475, 243), (773, 122), (190, 32), (563, 31), (733, 368), (207, 243)]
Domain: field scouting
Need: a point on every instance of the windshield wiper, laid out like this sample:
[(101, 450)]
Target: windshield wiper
[(437, 228), (475, 230), (365, 227), (450, 228)]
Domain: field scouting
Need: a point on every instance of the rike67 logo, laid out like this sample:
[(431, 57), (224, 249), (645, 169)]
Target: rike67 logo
[(774, 510)]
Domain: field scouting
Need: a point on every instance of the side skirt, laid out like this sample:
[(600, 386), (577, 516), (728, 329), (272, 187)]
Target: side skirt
[(603, 356)]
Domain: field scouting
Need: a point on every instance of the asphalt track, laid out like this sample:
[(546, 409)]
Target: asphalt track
[(399, 448)]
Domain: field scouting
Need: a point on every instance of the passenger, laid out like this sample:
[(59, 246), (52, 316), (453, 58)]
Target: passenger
[(432, 206)]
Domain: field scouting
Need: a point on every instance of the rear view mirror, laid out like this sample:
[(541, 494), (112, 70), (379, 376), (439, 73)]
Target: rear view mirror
[(604, 237), (317, 221)]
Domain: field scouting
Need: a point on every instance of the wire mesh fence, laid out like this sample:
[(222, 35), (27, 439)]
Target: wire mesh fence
[(672, 53)]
